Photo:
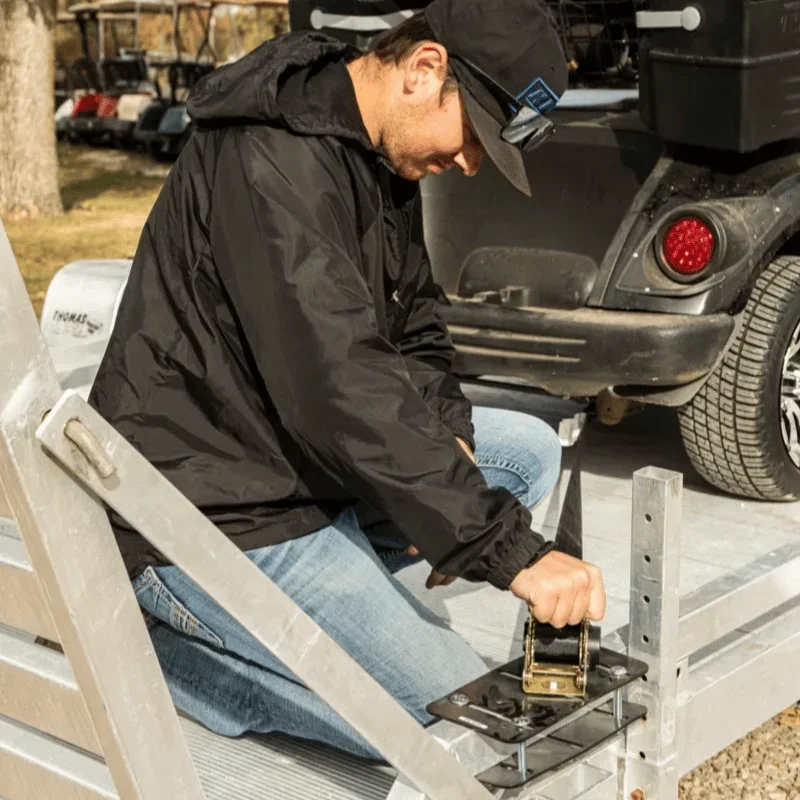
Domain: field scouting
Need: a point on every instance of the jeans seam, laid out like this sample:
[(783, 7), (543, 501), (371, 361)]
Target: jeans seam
[(144, 581), (508, 466), (179, 615)]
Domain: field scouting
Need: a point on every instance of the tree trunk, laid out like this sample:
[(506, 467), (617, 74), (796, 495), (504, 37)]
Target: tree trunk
[(28, 163)]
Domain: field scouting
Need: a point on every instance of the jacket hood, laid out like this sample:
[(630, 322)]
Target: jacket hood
[(298, 81)]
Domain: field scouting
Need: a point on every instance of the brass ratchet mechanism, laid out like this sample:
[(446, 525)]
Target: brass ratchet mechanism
[(556, 678)]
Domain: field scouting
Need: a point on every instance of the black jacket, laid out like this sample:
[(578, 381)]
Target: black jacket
[(278, 354)]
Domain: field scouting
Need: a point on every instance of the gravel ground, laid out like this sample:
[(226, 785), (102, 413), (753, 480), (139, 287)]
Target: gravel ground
[(763, 766)]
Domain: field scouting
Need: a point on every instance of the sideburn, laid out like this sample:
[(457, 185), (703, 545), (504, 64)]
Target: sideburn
[(449, 86)]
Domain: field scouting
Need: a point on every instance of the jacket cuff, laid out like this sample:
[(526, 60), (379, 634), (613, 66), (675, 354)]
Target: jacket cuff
[(523, 549)]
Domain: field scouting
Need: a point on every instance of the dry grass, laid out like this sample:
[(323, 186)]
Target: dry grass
[(107, 196)]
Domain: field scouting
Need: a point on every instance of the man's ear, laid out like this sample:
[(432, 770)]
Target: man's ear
[(425, 70)]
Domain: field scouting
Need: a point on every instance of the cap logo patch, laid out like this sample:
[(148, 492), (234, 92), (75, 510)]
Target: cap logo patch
[(539, 96)]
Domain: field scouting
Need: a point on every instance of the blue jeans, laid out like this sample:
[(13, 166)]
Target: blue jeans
[(343, 578)]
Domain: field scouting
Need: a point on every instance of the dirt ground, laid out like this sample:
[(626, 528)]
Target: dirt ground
[(107, 196)]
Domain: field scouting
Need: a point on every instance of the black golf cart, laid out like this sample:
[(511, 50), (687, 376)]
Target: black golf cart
[(659, 259), (164, 125)]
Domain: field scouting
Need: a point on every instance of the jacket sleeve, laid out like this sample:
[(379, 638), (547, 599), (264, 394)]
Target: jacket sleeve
[(429, 353), (284, 240)]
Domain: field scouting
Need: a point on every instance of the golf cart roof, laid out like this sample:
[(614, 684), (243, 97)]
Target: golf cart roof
[(243, 3), (247, 3), (123, 7), (156, 6)]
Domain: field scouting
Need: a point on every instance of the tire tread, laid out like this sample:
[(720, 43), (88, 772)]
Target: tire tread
[(722, 427)]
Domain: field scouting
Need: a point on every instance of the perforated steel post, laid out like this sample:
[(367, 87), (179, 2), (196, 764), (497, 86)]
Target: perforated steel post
[(651, 769)]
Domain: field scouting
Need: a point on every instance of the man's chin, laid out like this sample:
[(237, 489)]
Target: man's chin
[(410, 172)]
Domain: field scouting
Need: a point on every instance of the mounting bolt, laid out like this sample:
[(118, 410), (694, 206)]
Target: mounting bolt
[(617, 671), (459, 699), (637, 794), (522, 721)]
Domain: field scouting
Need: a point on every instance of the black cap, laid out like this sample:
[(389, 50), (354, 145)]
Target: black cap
[(510, 44)]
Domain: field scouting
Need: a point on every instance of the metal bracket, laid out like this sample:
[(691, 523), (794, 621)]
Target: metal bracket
[(689, 19), (496, 705)]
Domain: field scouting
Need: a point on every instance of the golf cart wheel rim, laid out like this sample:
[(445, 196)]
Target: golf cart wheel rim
[(790, 398)]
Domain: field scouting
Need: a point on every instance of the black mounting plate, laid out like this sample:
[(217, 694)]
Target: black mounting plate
[(496, 706), (566, 745)]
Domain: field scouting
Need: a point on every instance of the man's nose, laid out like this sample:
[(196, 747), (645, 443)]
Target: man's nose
[(469, 160)]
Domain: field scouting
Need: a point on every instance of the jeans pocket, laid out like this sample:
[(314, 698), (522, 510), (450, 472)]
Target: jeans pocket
[(155, 598)]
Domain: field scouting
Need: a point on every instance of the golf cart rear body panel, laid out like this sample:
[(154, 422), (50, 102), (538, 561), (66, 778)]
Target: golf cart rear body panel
[(526, 284), (728, 84), (607, 185), (530, 281)]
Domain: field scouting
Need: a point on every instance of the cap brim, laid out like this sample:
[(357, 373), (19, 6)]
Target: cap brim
[(506, 157)]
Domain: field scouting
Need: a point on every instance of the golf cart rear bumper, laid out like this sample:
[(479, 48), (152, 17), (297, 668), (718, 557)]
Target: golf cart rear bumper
[(87, 126), (120, 127), (583, 351)]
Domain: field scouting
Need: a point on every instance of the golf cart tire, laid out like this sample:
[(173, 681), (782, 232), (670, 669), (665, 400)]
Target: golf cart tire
[(732, 428)]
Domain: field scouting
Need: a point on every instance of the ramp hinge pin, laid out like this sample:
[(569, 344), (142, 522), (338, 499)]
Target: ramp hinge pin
[(86, 442)]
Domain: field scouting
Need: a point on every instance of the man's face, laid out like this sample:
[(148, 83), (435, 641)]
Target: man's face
[(427, 130)]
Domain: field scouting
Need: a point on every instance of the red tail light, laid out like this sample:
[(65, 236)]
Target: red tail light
[(689, 245)]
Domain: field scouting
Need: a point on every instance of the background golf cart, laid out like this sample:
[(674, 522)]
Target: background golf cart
[(656, 261), (106, 94), (138, 97), (165, 127)]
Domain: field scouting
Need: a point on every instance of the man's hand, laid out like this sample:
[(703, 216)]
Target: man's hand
[(561, 590), (466, 448), (435, 578)]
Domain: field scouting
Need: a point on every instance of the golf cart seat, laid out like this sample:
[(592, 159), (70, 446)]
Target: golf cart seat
[(86, 83), (183, 75), (83, 75), (128, 90), (174, 125), (121, 74), (188, 73)]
